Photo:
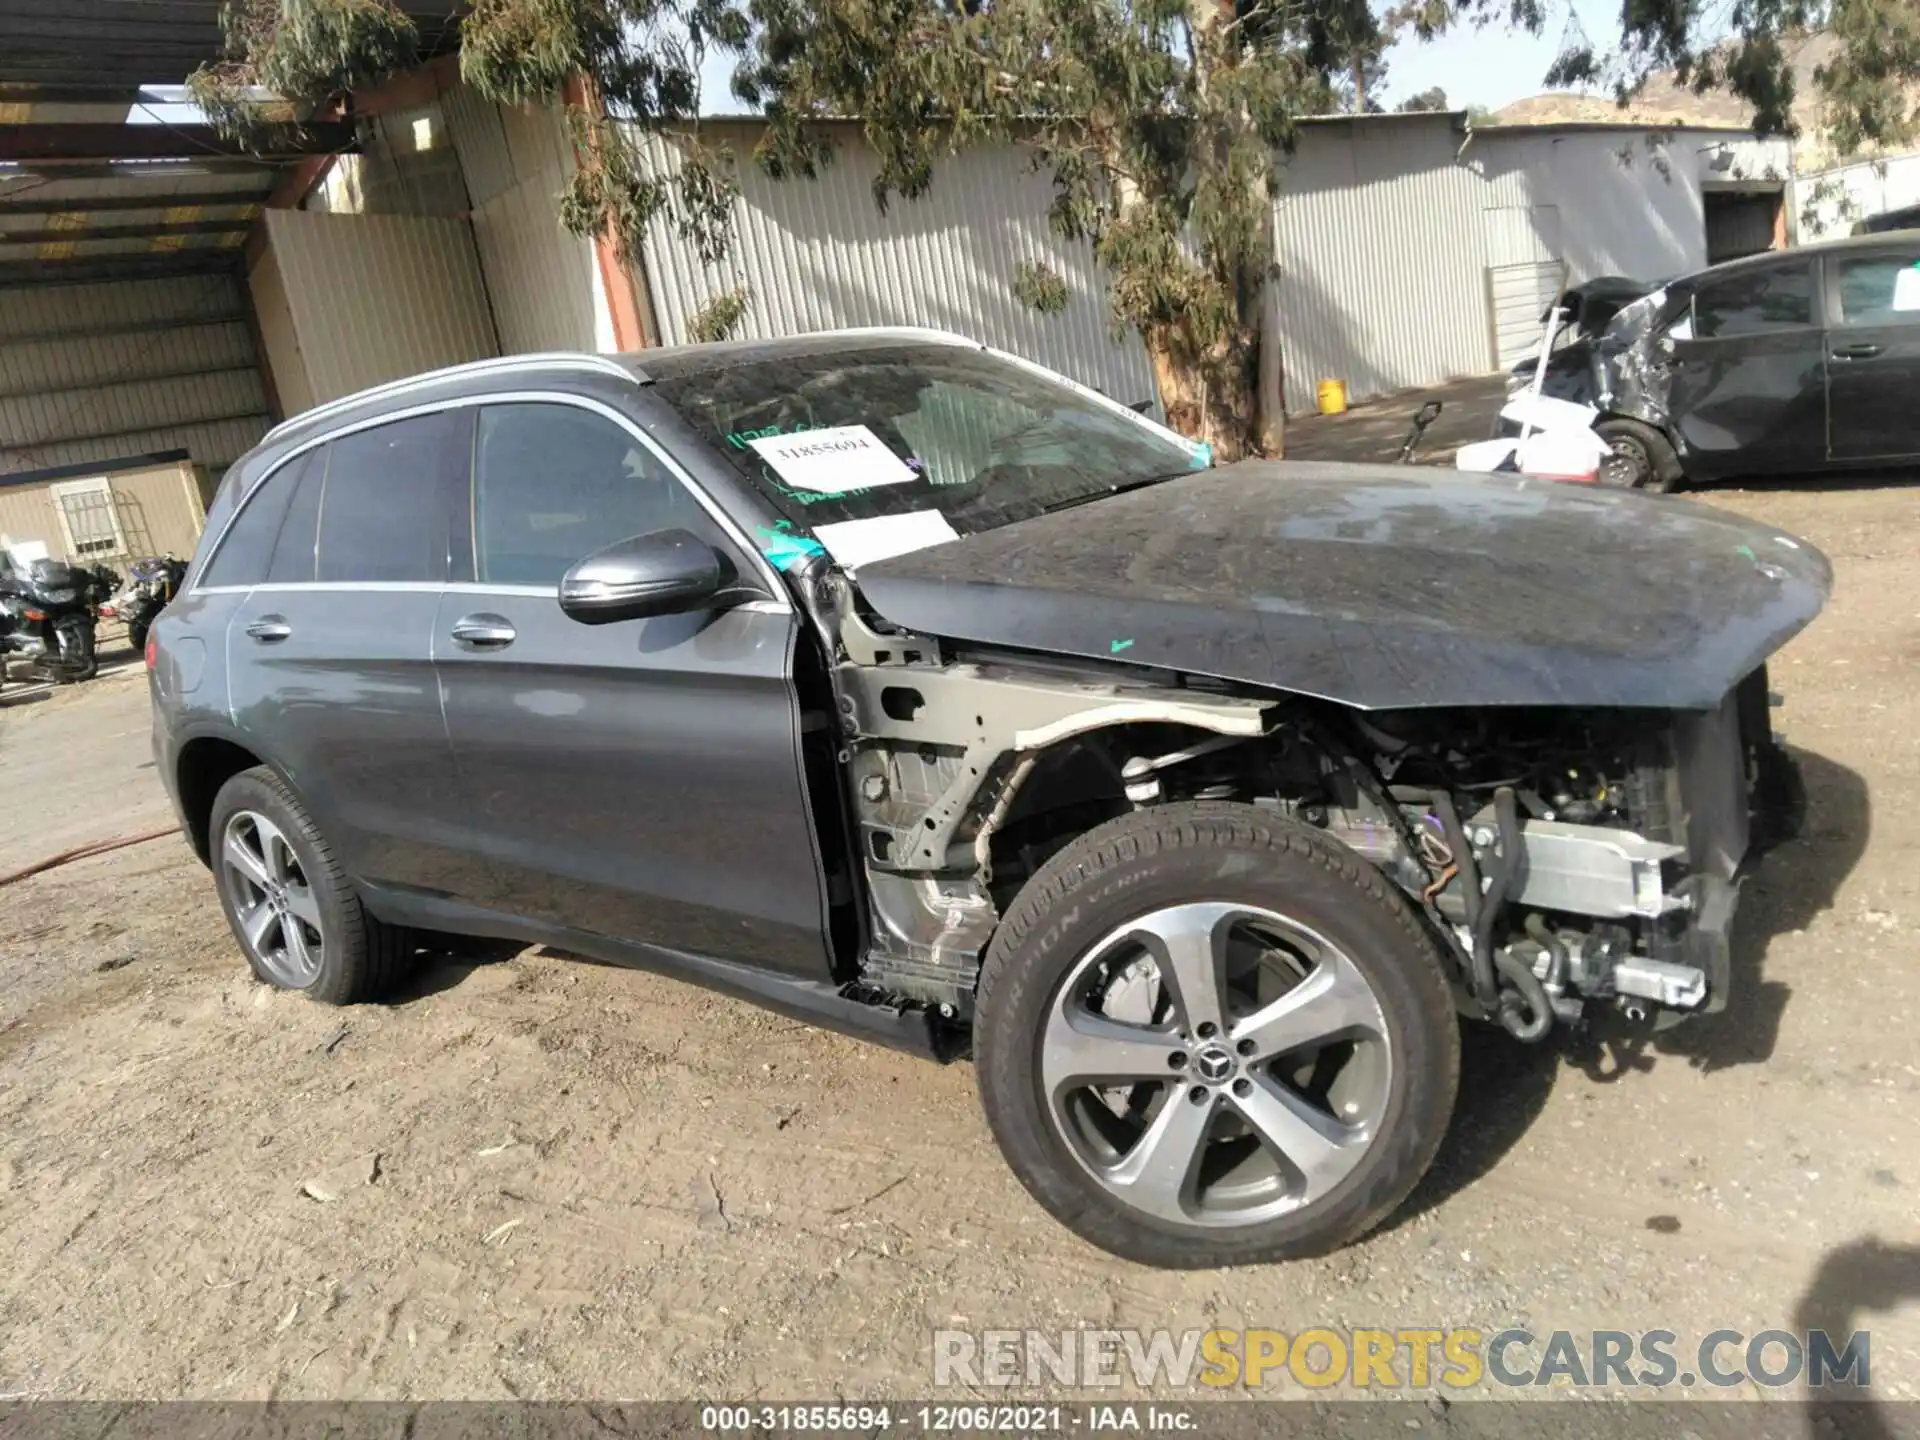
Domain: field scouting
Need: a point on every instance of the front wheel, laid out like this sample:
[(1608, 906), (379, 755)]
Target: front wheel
[(137, 636), (1207, 1035), (1642, 458)]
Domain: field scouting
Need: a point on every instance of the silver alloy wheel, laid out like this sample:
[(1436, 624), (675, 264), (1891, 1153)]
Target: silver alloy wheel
[(278, 912), (1250, 1078)]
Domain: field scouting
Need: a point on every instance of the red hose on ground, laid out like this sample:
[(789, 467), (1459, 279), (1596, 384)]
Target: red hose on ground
[(82, 852)]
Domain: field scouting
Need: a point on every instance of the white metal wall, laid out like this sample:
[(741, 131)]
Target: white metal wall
[(1628, 202), (1827, 203), (1377, 235), (128, 367), (371, 298), (818, 254), (542, 280)]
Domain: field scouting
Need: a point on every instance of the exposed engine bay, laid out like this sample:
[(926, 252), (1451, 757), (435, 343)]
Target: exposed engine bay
[(1567, 860)]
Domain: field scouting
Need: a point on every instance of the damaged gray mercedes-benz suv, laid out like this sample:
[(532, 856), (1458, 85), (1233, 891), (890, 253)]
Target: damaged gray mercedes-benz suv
[(909, 688)]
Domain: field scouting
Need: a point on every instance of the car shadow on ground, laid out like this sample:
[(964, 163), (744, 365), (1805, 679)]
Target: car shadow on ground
[(1504, 1084), (443, 961), (1854, 1281)]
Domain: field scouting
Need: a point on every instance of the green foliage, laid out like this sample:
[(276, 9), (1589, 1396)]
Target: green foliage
[(1866, 90), (1039, 287), (720, 316), (620, 66)]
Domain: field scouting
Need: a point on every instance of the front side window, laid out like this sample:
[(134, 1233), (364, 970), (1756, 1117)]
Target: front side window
[(1755, 302), (867, 434), (388, 499), (554, 483), (1880, 289)]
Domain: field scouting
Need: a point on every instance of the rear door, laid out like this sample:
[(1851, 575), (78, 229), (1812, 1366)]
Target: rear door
[(1747, 378), (332, 655), (638, 780), (1873, 354)]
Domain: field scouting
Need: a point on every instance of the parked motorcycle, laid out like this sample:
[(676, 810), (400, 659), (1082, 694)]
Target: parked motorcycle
[(49, 614), (151, 582)]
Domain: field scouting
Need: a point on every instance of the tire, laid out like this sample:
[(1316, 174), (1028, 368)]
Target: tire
[(1648, 459), (1202, 861), (343, 955), (137, 636), (76, 659)]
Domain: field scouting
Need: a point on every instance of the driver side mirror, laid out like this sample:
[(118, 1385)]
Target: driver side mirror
[(667, 572)]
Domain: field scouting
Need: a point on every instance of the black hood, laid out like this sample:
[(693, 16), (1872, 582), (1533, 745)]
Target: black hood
[(1381, 587)]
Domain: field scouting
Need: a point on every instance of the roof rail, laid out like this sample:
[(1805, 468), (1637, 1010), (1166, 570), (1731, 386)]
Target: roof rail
[(552, 359)]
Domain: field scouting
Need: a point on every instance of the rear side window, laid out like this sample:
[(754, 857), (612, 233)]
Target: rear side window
[(385, 510), (1755, 302), (554, 483), (242, 558), (1880, 289)]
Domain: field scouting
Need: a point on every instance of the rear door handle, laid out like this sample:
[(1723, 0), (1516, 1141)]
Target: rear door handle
[(483, 632), (1856, 352), (270, 629)]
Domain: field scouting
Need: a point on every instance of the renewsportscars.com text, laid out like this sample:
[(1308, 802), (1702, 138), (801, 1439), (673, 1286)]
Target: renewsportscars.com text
[(1399, 1359)]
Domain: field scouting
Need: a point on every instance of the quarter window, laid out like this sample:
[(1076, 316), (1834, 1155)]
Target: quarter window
[(1755, 302), (242, 558), (385, 509), (1881, 289), (554, 483)]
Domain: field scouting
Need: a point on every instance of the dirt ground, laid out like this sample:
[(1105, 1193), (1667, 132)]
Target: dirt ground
[(589, 1182)]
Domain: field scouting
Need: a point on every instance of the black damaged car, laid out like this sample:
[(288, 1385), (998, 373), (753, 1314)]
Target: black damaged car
[(909, 688), (1788, 362)]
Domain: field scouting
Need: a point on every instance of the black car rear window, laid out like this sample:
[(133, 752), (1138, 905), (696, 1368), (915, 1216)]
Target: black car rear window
[(866, 433)]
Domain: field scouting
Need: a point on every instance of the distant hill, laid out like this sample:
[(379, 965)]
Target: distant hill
[(1663, 100)]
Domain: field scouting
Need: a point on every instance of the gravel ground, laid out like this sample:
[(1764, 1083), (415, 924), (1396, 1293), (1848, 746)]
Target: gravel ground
[(552, 1179)]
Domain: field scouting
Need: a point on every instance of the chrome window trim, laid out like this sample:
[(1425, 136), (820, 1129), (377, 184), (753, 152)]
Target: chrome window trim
[(726, 522)]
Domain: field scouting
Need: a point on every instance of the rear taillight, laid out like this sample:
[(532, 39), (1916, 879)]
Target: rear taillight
[(34, 614), (153, 652)]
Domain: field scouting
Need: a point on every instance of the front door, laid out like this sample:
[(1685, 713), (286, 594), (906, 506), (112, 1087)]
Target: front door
[(1873, 354), (638, 780), (331, 655), (1747, 379)]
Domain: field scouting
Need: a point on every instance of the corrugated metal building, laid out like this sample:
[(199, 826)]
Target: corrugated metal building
[(128, 367), (96, 513), (1413, 249), (819, 254)]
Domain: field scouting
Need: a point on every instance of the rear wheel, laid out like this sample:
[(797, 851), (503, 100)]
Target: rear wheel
[(296, 916), (73, 639), (1642, 459), (1207, 1036)]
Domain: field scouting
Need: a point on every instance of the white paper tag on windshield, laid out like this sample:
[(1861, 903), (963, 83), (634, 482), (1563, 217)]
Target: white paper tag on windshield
[(856, 542), (833, 461)]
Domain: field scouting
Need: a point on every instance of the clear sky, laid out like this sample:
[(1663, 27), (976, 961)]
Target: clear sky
[(1490, 67)]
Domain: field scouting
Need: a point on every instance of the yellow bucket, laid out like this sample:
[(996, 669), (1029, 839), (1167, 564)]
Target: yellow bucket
[(1333, 397)]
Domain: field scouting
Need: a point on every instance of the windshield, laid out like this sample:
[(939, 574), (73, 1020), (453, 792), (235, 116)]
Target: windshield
[(953, 436)]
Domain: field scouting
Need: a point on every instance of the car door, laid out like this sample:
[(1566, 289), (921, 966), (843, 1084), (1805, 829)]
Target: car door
[(639, 780), (1873, 354), (331, 657), (1746, 375)]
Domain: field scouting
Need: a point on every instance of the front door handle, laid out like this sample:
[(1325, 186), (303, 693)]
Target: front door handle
[(270, 629), (483, 632), (1856, 352)]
